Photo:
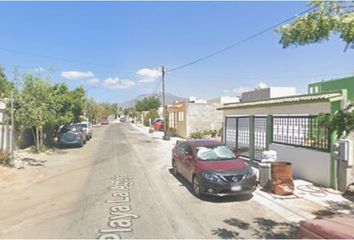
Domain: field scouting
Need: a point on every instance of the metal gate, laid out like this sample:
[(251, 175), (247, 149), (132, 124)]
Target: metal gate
[(237, 134), (244, 138), (260, 137)]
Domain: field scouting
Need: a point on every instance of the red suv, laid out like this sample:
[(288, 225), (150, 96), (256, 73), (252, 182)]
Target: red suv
[(212, 168)]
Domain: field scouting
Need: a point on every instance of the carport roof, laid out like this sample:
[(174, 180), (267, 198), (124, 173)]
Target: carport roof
[(319, 97)]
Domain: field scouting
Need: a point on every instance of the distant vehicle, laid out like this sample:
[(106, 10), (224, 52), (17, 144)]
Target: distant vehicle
[(122, 119), (104, 121), (87, 128), (158, 125), (71, 136), (212, 168)]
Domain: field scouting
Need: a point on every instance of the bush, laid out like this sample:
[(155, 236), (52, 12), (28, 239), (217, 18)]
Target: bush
[(202, 134), (5, 157), (197, 134)]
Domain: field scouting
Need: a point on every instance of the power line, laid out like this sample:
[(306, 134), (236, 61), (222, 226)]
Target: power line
[(240, 42)]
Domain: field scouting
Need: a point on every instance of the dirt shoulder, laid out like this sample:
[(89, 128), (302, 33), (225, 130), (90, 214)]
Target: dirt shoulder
[(35, 194)]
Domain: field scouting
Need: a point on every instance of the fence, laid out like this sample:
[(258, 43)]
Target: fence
[(251, 135)]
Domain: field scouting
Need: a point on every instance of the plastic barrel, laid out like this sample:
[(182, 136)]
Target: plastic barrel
[(282, 178)]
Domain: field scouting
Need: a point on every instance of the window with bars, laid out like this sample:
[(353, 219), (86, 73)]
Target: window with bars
[(302, 131)]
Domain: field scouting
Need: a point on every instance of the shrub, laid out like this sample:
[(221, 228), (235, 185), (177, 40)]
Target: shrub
[(5, 157), (197, 134), (201, 134)]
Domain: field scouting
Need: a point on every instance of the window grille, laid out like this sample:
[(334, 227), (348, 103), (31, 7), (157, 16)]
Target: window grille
[(302, 131)]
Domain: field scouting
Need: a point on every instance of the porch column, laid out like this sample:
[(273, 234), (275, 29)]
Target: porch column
[(269, 131), (251, 136)]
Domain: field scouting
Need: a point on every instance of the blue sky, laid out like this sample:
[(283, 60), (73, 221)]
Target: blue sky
[(111, 41)]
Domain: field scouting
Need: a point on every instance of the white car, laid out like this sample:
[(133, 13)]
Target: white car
[(87, 127)]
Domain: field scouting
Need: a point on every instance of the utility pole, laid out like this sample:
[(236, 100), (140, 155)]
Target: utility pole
[(166, 136)]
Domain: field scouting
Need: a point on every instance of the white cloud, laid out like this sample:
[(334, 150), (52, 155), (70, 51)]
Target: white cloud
[(115, 82), (73, 75), (93, 81), (148, 75)]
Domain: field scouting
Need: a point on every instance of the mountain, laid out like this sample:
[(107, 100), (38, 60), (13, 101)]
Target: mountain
[(170, 98)]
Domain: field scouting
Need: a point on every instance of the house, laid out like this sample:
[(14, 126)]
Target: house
[(288, 125), (334, 85), (190, 116)]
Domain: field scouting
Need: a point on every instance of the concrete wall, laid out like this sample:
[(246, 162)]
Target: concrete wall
[(308, 164), (304, 108), (255, 95), (202, 117), (4, 130)]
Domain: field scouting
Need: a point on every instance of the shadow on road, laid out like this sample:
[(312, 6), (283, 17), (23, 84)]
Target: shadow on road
[(335, 208), (260, 228), (214, 199)]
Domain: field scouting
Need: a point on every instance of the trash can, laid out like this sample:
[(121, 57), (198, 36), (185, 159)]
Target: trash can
[(282, 178), (265, 179)]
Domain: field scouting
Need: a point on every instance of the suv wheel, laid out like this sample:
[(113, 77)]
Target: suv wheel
[(196, 186)]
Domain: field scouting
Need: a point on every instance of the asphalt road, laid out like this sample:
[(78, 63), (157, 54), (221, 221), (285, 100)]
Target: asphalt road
[(121, 185)]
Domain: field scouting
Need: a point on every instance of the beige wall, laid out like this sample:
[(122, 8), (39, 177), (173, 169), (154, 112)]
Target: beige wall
[(307, 164), (304, 108)]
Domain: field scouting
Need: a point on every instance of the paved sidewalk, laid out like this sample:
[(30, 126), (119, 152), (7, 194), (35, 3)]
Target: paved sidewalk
[(307, 202)]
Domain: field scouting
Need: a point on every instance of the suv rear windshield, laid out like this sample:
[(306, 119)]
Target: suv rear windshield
[(214, 153)]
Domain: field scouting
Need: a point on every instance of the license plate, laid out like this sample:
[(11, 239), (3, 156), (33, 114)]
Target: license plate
[(235, 188)]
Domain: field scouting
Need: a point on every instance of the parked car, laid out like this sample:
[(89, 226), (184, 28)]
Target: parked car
[(71, 136), (122, 119), (212, 168), (104, 121), (87, 128), (158, 125)]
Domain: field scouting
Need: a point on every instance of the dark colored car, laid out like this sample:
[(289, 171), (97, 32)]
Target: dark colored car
[(71, 136), (104, 121), (158, 125), (212, 168)]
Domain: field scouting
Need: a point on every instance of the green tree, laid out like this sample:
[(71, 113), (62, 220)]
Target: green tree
[(34, 102), (5, 85), (77, 99), (148, 103), (152, 114), (328, 17)]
